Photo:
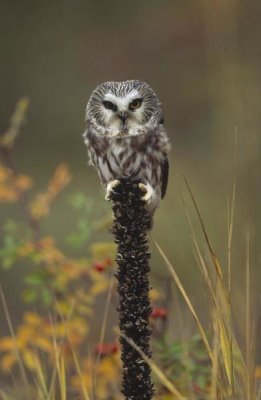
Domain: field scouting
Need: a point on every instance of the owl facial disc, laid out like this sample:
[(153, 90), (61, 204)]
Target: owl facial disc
[(123, 108)]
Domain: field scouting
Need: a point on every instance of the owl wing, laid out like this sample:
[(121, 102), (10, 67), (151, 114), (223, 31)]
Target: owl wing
[(164, 176)]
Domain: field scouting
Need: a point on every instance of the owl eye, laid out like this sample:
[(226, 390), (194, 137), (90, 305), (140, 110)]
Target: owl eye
[(136, 103), (109, 105)]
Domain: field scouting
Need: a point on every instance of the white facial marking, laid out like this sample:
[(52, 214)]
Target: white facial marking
[(112, 121), (122, 102)]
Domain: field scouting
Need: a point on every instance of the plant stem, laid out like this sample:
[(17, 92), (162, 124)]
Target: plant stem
[(130, 227)]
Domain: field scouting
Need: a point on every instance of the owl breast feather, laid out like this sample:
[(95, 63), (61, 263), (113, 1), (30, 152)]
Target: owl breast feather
[(138, 157)]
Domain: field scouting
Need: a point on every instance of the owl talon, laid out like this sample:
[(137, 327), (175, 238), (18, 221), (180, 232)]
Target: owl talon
[(110, 187), (148, 192)]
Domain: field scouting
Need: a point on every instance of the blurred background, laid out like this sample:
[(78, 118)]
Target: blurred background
[(203, 58)]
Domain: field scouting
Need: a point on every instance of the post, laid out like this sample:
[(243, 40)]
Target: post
[(130, 227)]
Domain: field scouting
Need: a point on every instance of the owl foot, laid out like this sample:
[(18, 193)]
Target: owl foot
[(111, 185), (148, 191)]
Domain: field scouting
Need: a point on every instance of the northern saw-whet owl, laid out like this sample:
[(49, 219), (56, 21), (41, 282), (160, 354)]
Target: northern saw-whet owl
[(126, 138)]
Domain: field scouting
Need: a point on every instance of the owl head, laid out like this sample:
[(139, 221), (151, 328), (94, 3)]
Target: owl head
[(127, 107)]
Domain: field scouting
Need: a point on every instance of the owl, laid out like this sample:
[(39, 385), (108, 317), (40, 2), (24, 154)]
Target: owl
[(126, 138)]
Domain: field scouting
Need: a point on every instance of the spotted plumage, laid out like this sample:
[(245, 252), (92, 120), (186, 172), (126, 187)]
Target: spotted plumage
[(126, 138)]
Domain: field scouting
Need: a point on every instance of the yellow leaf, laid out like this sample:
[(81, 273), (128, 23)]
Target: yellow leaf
[(43, 344), (109, 368), (85, 379), (78, 325), (166, 397), (99, 287), (57, 330), (63, 307), (103, 249), (62, 280), (25, 335), (155, 295), (32, 318), (30, 359), (84, 310)]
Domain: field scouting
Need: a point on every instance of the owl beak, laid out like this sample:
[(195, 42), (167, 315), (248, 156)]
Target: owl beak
[(123, 116)]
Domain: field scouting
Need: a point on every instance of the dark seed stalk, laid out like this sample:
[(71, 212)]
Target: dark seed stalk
[(130, 227)]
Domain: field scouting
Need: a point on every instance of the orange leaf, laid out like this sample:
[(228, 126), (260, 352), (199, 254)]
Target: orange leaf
[(8, 194), (7, 343), (8, 362), (60, 179), (4, 173), (258, 372), (26, 249), (23, 182), (40, 205)]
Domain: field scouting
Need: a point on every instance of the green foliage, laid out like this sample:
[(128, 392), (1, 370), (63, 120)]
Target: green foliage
[(186, 362), (84, 208), (13, 237)]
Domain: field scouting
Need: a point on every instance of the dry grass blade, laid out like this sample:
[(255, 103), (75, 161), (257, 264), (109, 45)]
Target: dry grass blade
[(103, 328), (220, 298), (11, 329), (231, 213), (186, 298), (225, 348), (215, 365), (51, 392), (259, 393), (247, 318), (223, 329), (157, 371), (40, 379), (59, 362), (60, 368), (75, 358), (221, 312), (79, 372), (201, 261), (213, 255), (4, 396)]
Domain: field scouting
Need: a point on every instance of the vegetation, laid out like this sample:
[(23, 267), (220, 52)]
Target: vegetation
[(53, 354)]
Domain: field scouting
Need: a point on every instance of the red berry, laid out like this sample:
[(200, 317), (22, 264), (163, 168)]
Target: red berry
[(98, 266), (105, 349), (159, 312)]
